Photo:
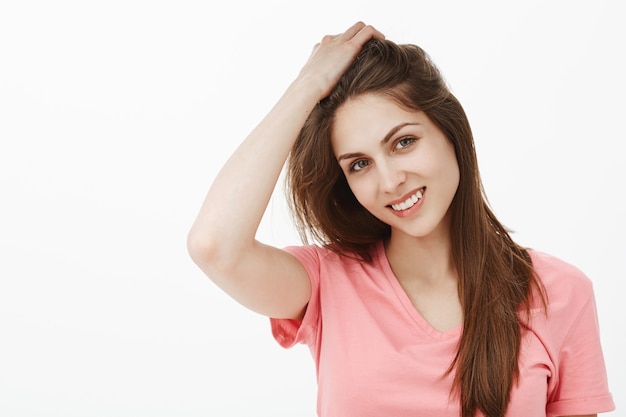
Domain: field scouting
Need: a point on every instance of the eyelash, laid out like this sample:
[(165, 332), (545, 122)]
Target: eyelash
[(411, 140)]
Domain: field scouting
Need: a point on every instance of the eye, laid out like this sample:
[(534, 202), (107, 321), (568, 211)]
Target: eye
[(359, 165), (405, 142)]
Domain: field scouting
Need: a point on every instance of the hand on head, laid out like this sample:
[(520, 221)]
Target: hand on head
[(334, 54)]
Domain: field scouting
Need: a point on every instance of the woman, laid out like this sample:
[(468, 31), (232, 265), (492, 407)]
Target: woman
[(416, 301)]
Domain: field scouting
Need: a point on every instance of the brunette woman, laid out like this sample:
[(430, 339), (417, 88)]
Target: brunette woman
[(413, 298)]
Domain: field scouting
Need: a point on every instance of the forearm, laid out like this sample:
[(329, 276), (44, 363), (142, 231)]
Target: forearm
[(225, 228), (233, 208)]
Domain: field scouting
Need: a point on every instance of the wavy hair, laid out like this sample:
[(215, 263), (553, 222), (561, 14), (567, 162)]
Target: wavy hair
[(496, 279)]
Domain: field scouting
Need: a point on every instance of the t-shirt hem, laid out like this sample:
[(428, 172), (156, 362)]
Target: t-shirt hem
[(595, 405), (289, 332), (285, 331)]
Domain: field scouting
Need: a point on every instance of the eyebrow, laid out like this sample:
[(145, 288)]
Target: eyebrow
[(386, 139)]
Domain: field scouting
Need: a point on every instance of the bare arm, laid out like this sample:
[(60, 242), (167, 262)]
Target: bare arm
[(222, 239)]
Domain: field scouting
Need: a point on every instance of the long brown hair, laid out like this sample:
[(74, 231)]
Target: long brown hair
[(496, 279)]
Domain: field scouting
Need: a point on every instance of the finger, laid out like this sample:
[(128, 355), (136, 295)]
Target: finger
[(366, 33), (353, 30)]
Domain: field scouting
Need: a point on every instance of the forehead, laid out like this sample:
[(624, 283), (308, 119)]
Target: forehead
[(369, 117)]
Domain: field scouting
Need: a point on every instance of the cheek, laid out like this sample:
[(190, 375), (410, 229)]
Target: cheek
[(446, 165), (455, 171), (361, 190), (452, 176)]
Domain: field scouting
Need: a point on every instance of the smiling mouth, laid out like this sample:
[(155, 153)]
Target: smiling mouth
[(409, 202)]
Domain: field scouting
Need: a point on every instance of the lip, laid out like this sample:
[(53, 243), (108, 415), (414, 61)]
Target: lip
[(411, 210), (407, 195)]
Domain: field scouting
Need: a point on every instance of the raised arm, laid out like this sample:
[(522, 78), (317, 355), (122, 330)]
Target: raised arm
[(222, 239)]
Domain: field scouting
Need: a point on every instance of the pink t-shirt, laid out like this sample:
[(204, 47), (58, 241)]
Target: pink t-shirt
[(376, 356)]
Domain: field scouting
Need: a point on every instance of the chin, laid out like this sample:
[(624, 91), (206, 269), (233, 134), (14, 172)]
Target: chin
[(419, 230)]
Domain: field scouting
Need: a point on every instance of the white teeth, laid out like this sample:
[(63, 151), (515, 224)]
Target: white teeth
[(409, 202)]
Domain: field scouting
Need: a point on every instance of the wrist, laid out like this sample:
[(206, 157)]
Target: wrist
[(308, 88)]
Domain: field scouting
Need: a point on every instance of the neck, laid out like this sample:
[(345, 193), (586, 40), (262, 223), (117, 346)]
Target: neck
[(425, 259)]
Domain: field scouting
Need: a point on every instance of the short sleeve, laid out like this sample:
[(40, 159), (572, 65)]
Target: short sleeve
[(289, 332), (582, 386)]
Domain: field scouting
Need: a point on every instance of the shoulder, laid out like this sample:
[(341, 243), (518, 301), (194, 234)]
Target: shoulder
[(313, 254), (561, 279), (324, 257), (334, 268), (569, 295)]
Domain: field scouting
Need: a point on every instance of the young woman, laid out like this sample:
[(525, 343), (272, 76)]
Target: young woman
[(415, 301)]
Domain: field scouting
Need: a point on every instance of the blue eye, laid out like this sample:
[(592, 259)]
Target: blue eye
[(359, 165)]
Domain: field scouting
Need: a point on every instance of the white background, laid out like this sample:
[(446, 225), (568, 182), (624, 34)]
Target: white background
[(115, 116)]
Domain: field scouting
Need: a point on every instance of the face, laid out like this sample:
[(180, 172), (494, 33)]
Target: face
[(398, 163)]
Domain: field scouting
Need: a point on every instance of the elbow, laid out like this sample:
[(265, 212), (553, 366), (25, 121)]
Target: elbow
[(202, 249), (214, 255)]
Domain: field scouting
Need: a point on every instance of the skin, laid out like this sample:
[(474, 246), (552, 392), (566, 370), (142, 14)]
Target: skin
[(222, 240), (387, 153)]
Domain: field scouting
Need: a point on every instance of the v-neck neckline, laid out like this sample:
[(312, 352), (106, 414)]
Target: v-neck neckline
[(405, 300)]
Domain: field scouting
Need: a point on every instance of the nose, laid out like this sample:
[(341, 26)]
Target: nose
[(390, 177)]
